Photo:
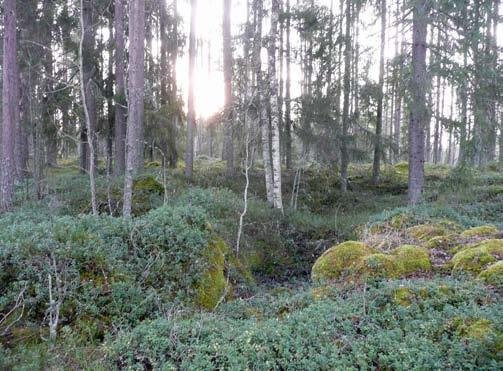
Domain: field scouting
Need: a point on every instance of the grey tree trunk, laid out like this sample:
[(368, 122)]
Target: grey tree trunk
[(288, 89), (9, 106), (275, 119), (86, 92), (346, 102), (191, 114), (378, 137), (418, 110), (229, 109), (136, 92), (88, 132), (120, 90)]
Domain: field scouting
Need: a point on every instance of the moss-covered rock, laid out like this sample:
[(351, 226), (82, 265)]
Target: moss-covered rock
[(481, 330), (475, 258), (493, 275), (339, 259), (482, 231), (425, 232), (446, 242), (403, 296), (376, 266), (213, 286), (145, 190), (412, 259)]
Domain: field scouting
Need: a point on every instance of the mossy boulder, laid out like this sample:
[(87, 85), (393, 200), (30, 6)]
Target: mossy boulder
[(339, 259), (475, 258), (446, 242), (377, 266), (482, 330), (482, 231), (213, 286), (146, 189), (426, 232), (412, 259), (493, 274)]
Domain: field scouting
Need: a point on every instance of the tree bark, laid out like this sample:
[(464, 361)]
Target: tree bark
[(120, 90), (9, 106), (288, 89), (418, 110), (273, 94), (346, 102), (378, 136), (227, 48), (136, 92), (191, 114)]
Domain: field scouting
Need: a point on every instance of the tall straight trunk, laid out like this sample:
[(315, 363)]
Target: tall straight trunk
[(88, 132), (227, 48), (288, 89), (346, 103), (9, 106), (136, 92), (398, 94), (436, 138), (428, 151), (418, 110), (262, 116), (463, 93), (191, 114), (120, 89), (50, 129), (87, 95), (273, 94), (110, 96), (380, 99)]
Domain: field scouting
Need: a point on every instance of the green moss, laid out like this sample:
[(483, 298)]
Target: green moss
[(338, 259), (153, 164), (482, 330), (377, 266), (147, 184), (402, 168), (443, 242), (482, 231), (493, 275), (403, 296), (475, 259), (213, 284), (425, 232), (412, 259), (400, 221)]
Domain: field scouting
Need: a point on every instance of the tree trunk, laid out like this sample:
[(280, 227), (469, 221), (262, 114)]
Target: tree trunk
[(86, 91), (288, 90), (136, 80), (191, 114), (88, 132), (418, 110), (273, 94), (229, 109), (110, 97), (378, 136), (120, 87), (9, 106), (345, 108)]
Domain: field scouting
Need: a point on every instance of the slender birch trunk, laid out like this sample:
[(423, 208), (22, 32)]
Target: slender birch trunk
[(191, 115)]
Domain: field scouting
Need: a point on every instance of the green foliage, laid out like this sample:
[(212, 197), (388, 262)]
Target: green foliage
[(474, 258), (493, 275), (412, 259), (369, 329)]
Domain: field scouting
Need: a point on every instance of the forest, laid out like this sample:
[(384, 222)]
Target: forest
[(251, 185)]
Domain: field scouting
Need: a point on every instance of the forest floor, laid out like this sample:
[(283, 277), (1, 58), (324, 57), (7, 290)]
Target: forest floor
[(275, 312)]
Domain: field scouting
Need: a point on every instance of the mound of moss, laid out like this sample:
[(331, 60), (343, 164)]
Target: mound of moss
[(412, 259), (446, 242), (426, 232), (339, 259), (474, 259), (377, 266), (493, 275), (482, 231)]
